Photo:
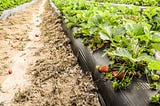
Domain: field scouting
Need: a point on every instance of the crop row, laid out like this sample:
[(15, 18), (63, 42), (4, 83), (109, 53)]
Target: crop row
[(133, 2), (6, 4), (128, 36)]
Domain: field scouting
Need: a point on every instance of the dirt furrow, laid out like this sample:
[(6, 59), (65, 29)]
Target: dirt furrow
[(16, 52), (49, 67)]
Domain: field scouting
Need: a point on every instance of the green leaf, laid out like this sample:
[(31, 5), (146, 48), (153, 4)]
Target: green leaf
[(119, 31), (70, 25), (123, 52), (103, 36), (156, 46), (107, 29), (135, 8), (150, 12), (135, 29), (158, 11), (97, 19), (155, 36), (155, 65), (92, 30), (147, 26), (97, 39), (145, 57)]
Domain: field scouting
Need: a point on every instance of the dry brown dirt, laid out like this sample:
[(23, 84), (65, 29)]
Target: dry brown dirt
[(45, 70)]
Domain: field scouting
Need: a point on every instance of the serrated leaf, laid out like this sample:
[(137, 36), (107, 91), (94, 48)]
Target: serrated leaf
[(123, 52), (103, 36), (108, 30), (135, 29), (145, 57), (119, 31)]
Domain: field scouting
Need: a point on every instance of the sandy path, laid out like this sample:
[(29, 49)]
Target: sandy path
[(17, 46), (45, 71)]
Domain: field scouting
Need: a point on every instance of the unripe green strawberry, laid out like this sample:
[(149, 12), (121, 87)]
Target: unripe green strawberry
[(155, 77)]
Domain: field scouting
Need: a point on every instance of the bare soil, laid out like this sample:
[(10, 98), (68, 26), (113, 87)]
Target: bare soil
[(45, 70)]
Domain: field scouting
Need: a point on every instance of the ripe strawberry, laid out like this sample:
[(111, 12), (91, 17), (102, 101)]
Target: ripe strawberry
[(118, 76), (103, 68), (121, 76), (36, 35), (10, 71)]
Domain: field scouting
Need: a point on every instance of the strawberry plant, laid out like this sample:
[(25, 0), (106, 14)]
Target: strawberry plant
[(5, 4), (129, 37), (134, 2)]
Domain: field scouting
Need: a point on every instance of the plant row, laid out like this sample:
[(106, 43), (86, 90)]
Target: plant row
[(133, 2), (128, 36), (6, 4)]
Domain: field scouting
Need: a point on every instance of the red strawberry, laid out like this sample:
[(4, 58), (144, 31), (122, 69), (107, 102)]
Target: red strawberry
[(36, 35), (103, 68), (121, 76), (118, 76), (9, 71)]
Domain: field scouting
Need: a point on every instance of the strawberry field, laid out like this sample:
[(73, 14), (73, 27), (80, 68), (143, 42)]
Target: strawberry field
[(80, 52)]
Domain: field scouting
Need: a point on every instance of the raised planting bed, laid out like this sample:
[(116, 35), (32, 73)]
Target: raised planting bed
[(120, 52), (9, 7), (6, 4), (133, 2)]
